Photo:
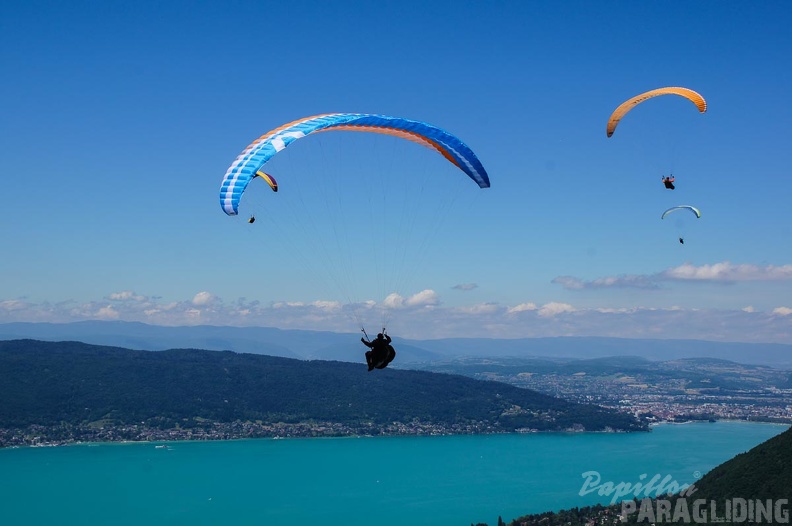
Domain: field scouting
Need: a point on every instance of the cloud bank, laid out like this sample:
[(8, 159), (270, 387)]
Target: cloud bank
[(421, 316), (724, 272)]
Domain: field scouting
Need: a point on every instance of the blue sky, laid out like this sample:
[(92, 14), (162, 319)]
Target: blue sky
[(119, 121)]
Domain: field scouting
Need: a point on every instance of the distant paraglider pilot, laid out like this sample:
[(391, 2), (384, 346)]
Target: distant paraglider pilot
[(252, 219), (382, 352), (681, 241), (669, 182)]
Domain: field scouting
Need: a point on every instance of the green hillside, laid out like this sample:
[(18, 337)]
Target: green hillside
[(72, 383), (764, 472)]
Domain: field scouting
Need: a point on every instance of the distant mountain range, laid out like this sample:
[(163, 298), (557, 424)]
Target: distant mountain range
[(310, 345)]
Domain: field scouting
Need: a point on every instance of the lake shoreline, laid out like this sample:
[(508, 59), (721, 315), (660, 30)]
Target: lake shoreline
[(50, 436), (40, 436)]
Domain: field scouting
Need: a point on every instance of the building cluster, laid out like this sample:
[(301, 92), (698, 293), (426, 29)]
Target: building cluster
[(666, 400), (39, 436)]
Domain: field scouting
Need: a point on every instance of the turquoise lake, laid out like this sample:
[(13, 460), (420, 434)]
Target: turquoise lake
[(387, 481)]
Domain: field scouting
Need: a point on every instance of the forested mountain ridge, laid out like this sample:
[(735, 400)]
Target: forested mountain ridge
[(764, 472), (55, 383)]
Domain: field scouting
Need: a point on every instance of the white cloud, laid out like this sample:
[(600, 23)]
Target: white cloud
[(554, 308), (522, 307), (465, 286), (126, 295), (14, 305), (749, 308), (327, 305), (107, 313), (782, 311), (624, 281), (286, 304), (193, 314), (393, 301), (479, 308), (425, 297), (728, 272), (623, 310), (724, 272), (569, 282), (204, 298)]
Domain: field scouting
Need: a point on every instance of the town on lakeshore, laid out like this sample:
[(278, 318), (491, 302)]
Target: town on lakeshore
[(40, 436), (669, 391)]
